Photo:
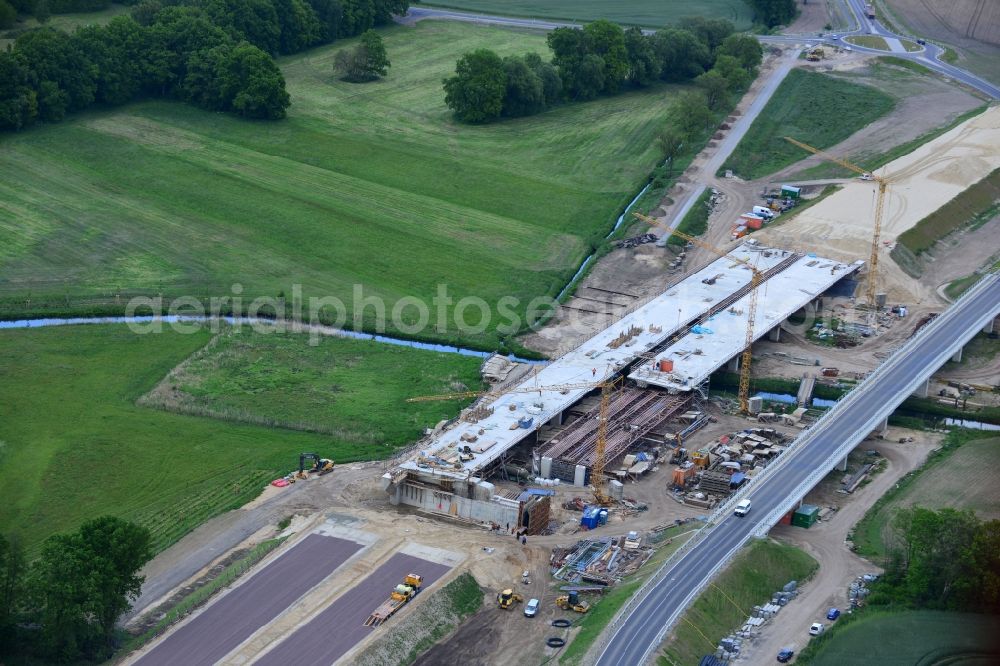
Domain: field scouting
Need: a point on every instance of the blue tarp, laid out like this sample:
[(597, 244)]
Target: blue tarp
[(701, 329)]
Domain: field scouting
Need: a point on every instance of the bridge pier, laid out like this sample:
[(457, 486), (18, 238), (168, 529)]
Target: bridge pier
[(734, 364), (989, 328), (882, 427), (922, 390), (843, 465), (774, 335), (957, 356), (557, 420)]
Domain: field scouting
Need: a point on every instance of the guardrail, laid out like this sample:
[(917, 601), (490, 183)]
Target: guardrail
[(791, 452)]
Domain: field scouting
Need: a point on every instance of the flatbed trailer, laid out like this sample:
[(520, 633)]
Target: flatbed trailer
[(399, 597)]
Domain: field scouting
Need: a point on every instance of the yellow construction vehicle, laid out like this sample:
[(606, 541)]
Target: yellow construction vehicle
[(507, 598), (399, 597), (573, 602), (883, 186), (757, 277), (320, 466)]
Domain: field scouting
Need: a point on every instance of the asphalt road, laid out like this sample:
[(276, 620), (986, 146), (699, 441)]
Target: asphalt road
[(642, 630), (237, 615), (340, 626)]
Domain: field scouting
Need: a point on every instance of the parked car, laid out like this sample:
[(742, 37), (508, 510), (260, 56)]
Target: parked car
[(531, 608), (833, 614), (922, 42), (786, 655), (816, 628)]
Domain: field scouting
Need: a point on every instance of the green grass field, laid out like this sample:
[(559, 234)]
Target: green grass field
[(817, 109), (869, 41), (651, 13), (354, 390), (928, 638), (754, 575), (959, 475), (370, 184), (73, 444)]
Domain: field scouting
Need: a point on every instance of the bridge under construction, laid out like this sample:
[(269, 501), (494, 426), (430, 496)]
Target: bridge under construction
[(667, 346)]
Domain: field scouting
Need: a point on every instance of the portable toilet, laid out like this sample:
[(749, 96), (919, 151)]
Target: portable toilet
[(602, 517)]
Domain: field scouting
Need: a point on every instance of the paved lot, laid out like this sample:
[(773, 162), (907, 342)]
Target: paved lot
[(338, 628), (237, 615)]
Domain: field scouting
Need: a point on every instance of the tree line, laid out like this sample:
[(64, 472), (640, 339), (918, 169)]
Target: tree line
[(64, 606), (773, 12), (215, 54), (944, 560), (602, 58)]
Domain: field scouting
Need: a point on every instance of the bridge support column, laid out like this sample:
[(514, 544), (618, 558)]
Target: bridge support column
[(989, 328), (957, 356), (882, 427), (557, 420), (922, 390), (734, 364), (774, 335), (843, 465)]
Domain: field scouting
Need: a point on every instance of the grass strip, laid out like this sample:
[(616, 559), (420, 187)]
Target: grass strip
[(755, 574)]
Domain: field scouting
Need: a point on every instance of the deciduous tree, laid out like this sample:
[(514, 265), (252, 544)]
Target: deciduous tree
[(476, 92)]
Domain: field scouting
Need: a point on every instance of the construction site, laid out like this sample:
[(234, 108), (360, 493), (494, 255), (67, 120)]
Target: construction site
[(565, 478), (633, 388)]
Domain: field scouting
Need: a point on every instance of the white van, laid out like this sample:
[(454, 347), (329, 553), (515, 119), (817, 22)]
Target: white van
[(763, 211), (743, 508)]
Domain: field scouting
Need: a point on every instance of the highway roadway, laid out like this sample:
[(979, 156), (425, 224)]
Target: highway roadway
[(642, 628)]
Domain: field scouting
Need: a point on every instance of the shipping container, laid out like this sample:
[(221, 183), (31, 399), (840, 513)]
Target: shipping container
[(666, 365), (805, 516)]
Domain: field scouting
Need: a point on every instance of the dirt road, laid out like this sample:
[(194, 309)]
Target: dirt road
[(825, 542)]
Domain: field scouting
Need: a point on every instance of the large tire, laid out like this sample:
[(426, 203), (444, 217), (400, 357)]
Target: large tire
[(555, 642), (562, 623)]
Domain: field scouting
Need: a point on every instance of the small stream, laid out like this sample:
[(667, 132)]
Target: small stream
[(618, 224), (325, 330)]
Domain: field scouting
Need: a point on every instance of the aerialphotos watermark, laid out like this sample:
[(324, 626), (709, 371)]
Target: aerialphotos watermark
[(411, 315), (408, 315)]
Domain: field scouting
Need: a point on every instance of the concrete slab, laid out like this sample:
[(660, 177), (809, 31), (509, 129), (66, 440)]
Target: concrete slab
[(594, 361), (340, 626), (697, 355), (235, 616)]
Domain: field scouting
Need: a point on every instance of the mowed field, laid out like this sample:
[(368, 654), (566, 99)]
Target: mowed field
[(817, 109), (373, 185), (355, 390), (966, 480), (74, 445), (928, 638), (959, 477), (652, 13), (972, 26)]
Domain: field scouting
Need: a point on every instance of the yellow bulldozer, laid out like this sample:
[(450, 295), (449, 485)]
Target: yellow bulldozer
[(573, 602), (507, 598)]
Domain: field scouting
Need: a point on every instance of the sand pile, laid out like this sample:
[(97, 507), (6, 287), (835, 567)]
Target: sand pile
[(921, 182)]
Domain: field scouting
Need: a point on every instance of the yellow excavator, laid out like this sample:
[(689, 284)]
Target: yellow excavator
[(573, 602), (507, 598), (320, 466)]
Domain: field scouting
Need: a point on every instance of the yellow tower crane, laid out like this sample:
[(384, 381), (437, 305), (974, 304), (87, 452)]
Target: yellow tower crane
[(597, 470), (757, 277), (883, 185)]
